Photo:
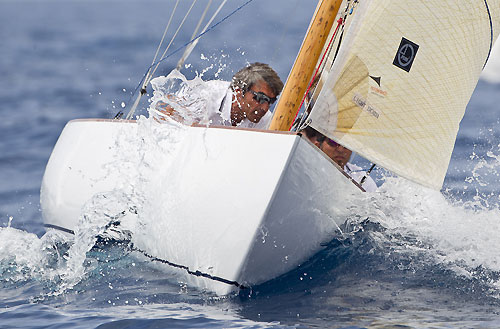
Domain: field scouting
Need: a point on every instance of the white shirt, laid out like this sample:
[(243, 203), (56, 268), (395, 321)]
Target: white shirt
[(357, 173), (204, 102), (219, 108)]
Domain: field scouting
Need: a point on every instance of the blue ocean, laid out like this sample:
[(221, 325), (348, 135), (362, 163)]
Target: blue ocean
[(409, 257)]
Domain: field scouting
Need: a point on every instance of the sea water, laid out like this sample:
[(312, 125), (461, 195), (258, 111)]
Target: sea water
[(407, 257)]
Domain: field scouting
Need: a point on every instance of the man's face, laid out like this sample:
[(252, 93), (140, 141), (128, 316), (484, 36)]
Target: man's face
[(336, 152), (254, 104)]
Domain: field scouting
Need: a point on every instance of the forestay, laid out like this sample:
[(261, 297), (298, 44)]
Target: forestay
[(402, 79)]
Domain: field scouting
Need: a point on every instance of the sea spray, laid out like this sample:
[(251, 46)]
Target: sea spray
[(145, 182), (484, 174), (97, 215), (177, 92), (192, 100), (420, 227), (24, 256), (140, 157)]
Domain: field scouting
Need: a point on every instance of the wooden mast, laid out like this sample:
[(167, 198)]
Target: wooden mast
[(303, 68)]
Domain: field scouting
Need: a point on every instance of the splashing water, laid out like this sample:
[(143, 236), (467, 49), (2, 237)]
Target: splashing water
[(190, 99), (481, 184), (419, 224), (26, 258), (422, 226), (143, 164), (141, 158)]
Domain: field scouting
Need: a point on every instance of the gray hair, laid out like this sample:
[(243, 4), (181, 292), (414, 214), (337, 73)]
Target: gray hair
[(245, 78)]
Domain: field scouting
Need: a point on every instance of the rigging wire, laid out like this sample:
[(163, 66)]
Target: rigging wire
[(145, 81), (339, 22), (301, 124), (143, 91), (304, 122), (163, 37), (175, 34), (152, 72), (190, 48), (181, 61), (348, 11)]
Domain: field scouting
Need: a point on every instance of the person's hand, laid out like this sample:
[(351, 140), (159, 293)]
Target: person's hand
[(167, 110)]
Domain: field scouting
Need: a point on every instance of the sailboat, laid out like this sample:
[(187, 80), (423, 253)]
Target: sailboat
[(395, 78)]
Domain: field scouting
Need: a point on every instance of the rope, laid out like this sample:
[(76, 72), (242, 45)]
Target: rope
[(195, 273), (348, 10), (129, 115), (153, 258), (339, 22)]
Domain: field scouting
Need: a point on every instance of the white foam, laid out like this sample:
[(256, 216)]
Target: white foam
[(189, 98), (422, 222), (29, 256)]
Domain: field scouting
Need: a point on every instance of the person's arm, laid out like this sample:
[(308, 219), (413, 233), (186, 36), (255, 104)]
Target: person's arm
[(169, 111)]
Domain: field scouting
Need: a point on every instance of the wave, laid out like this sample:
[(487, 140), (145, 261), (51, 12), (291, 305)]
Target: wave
[(403, 230), (405, 226)]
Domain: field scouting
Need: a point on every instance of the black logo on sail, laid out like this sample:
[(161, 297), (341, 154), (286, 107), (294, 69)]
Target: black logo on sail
[(376, 79), (406, 54)]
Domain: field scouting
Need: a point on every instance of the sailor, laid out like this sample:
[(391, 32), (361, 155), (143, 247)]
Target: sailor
[(340, 155), (243, 102)]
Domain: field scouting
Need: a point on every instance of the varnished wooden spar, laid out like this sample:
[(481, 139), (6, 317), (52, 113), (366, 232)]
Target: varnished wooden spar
[(303, 68)]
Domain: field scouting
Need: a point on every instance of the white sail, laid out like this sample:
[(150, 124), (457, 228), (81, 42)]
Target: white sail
[(402, 79)]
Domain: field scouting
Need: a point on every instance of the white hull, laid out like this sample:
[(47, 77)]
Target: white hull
[(248, 206)]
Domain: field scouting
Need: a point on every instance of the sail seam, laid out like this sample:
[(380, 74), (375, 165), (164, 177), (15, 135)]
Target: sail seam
[(491, 32)]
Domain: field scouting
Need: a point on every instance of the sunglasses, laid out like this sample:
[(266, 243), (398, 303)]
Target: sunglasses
[(262, 98), (329, 141)]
